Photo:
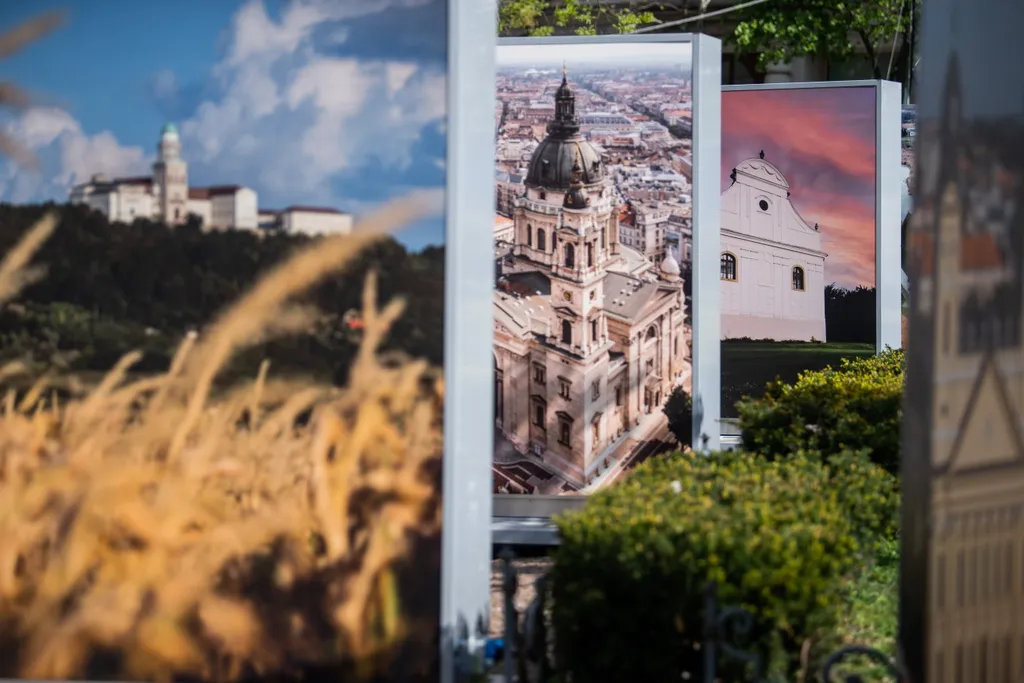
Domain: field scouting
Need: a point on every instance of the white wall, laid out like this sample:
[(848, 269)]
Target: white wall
[(246, 213), (768, 238), (316, 222), (202, 208), (130, 203)]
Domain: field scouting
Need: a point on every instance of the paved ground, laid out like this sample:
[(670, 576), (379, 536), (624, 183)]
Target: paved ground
[(658, 442)]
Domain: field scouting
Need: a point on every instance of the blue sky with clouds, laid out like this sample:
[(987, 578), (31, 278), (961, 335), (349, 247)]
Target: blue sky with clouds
[(337, 103)]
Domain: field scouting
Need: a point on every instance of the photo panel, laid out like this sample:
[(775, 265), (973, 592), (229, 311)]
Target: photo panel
[(243, 461), (806, 230), (594, 252)]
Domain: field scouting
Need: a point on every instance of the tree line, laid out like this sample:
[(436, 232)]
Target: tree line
[(850, 314), (114, 287)]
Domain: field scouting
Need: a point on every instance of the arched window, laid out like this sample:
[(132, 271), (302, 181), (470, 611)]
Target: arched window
[(728, 267), (529, 235), (652, 332), (566, 332), (798, 278), (590, 254), (541, 242), (570, 256)]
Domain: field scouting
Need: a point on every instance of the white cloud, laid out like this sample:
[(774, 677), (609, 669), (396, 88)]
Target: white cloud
[(284, 117), (67, 156), (165, 85)]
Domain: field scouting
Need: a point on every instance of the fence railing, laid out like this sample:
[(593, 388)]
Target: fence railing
[(528, 653)]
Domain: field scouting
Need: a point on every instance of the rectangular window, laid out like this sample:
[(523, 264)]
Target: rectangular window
[(972, 574), (564, 436), (983, 576), (564, 389), (538, 415), (960, 579), (595, 390), (1008, 570), (539, 375), (618, 396), (940, 583), (593, 331)]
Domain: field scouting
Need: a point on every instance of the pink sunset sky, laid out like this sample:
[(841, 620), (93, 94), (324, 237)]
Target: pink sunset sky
[(823, 142)]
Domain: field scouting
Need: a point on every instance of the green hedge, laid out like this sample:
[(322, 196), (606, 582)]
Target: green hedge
[(854, 407), (779, 537)]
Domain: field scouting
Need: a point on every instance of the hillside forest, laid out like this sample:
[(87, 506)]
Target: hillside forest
[(110, 288)]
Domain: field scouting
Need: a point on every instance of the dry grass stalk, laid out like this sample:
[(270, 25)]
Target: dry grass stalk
[(11, 95), (215, 537)]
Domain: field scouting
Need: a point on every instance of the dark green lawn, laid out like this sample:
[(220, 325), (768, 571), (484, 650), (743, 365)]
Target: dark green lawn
[(747, 366)]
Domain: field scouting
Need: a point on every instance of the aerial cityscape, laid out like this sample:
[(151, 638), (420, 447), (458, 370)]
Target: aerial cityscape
[(593, 247)]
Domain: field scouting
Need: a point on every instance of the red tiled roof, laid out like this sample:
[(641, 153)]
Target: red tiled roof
[(922, 246), (312, 209), (198, 193), (137, 180), (223, 189), (979, 252)]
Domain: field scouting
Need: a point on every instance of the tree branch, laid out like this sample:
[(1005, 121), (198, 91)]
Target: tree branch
[(872, 55)]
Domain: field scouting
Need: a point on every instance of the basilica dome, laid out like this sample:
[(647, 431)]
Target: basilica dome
[(552, 162), (551, 166)]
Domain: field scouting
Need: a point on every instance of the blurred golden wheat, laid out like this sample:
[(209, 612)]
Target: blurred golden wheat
[(11, 95), (150, 529)]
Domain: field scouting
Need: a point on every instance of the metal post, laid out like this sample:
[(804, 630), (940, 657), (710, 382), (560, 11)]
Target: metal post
[(509, 586)]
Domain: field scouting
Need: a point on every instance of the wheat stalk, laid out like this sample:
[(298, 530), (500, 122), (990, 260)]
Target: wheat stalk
[(139, 518)]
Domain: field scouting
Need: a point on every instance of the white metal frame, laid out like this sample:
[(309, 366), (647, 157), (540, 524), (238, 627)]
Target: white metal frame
[(707, 124), (888, 141), (469, 203), (888, 179)]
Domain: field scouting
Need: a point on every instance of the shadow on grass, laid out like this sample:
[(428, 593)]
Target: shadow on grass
[(749, 365)]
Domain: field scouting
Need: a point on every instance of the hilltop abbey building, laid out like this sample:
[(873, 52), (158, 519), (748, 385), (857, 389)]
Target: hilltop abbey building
[(166, 196), (590, 337)]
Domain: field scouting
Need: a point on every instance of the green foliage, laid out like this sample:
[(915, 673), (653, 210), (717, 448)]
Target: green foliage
[(543, 17), (777, 536), (783, 29), (112, 288), (679, 411), (779, 30), (856, 407)]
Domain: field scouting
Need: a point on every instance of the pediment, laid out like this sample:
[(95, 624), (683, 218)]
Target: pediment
[(988, 436), (762, 170)]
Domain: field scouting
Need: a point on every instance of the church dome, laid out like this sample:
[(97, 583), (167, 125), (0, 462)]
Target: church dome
[(551, 165), (169, 130), (552, 162), (669, 266)]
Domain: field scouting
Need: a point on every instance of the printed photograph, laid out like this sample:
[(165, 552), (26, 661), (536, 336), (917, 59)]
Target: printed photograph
[(798, 234), (221, 337), (909, 130), (593, 246)]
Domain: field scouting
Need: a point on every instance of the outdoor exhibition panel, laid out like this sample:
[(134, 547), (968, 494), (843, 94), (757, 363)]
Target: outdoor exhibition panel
[(605, 260), (276, 225), (962, 478), (810, 268)]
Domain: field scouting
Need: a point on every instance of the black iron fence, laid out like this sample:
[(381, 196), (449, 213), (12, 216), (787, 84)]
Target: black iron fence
[(527, 653)]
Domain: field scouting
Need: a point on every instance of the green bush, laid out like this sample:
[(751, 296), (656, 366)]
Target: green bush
[(855, 407), (779, 538)]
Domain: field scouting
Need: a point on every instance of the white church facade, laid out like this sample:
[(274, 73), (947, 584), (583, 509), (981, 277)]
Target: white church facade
[(772, 265), (590, 336), (166, 196)]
